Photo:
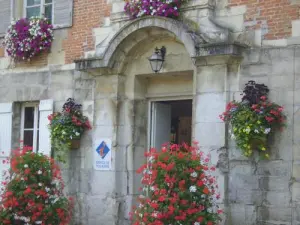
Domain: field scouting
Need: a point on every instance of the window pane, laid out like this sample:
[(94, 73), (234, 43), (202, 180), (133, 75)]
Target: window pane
[(38, 122), (37, 142), (48, 1), (48, 12), (29, 117), (28, 138), (33, 2), (34, 11)]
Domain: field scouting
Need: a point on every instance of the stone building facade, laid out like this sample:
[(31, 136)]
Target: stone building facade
[(100, 58)]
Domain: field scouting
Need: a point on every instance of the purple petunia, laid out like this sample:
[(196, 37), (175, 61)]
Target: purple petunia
[(166, 8), (26, 38)]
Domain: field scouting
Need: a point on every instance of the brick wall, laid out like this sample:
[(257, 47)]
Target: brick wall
[(273, 16), (87, 14)]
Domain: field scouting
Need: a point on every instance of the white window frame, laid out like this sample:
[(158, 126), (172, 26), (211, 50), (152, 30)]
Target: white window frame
[(35, 125), (42, 8)]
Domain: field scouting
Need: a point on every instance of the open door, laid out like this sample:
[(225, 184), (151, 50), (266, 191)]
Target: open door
[(161, 124)]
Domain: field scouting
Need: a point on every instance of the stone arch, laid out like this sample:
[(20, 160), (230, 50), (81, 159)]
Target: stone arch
[(120, 44)]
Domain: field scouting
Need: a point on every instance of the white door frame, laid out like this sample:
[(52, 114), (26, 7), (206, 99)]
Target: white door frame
[(162, 99)]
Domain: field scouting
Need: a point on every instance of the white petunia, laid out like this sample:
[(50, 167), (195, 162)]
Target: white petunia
[(194, 174), (25, 166), (267, 130), (39, 172), (193, 188)]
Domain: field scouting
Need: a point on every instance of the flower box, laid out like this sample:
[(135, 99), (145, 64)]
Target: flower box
[(27, 38)]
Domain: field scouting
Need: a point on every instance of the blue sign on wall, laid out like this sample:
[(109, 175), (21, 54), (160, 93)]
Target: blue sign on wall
[(103, 149), (102, 155)]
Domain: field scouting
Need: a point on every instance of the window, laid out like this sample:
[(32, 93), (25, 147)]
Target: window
[(30, 125), (39, 8)]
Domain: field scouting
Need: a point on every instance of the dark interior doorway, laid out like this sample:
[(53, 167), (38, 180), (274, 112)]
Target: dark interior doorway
[(171, 122)]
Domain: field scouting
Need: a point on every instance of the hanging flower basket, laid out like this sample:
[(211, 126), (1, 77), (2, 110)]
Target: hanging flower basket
[(27, 38), (67, 127), (254, 119)]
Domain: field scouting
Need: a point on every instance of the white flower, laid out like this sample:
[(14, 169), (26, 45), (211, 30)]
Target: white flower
[(77, 134), (256, 131), (40, 184), (151, 159), (39, 172), (47, 189), (196, 223), (25, 166), (248, 130), (267, 130), (194, 174), (193, 188)]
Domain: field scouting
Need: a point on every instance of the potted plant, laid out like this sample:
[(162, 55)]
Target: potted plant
[(178, 188), (67, 127), (165, 8), (27, 38), (254, 119), (33, 191)]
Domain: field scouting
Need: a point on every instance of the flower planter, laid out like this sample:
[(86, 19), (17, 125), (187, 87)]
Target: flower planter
[(254, 119), (22, 44), (75, 144)]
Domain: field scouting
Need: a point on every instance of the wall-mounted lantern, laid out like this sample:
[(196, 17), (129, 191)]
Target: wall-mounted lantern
[(157, 59)]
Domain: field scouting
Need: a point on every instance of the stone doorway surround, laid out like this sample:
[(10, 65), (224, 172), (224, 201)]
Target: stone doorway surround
[(121, 71)]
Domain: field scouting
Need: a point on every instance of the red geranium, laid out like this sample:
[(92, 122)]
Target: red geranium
[(178, 186), (35, 191)]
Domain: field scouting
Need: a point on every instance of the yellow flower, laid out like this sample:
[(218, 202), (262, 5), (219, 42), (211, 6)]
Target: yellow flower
[(263, 149), (258, 122), (267, 155)]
